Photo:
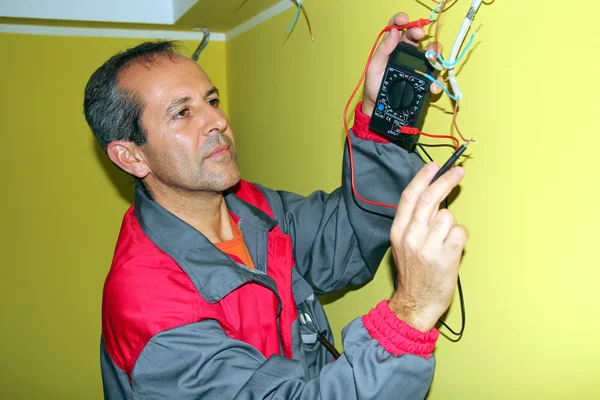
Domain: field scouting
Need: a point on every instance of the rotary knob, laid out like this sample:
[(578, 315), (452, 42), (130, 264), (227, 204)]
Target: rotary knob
[(401, 95)]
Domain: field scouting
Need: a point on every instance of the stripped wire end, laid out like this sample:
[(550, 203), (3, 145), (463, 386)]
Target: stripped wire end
[(312, 38), (301, 9)]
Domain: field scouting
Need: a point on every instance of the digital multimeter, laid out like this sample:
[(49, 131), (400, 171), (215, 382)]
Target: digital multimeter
[(404, 95)]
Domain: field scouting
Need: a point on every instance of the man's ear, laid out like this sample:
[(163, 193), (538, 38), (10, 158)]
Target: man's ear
[(127, 156)]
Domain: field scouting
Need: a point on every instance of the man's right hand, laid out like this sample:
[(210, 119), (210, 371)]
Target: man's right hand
[(427, 247)]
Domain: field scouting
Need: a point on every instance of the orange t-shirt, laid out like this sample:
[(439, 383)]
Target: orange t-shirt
[(236, 246)]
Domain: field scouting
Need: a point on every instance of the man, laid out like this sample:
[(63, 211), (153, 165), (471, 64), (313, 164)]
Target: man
[(212, 293)]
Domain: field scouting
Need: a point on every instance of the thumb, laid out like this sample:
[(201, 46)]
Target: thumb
[(385, 48)]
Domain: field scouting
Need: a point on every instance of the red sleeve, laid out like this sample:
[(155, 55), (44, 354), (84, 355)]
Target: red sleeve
[(396, 336), (361, 126)]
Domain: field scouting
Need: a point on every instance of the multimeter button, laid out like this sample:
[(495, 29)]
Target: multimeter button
[(402, 95), (381, 107)]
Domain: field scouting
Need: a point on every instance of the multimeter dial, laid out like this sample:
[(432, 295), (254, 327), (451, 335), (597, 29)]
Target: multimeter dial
[(401, 96)]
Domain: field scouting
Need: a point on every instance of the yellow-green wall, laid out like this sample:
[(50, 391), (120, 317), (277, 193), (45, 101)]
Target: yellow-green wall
[(529, 198), (62, 205), (531, 271)]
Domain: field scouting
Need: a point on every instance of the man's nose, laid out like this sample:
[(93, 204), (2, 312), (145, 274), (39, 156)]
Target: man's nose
[(215, 121)]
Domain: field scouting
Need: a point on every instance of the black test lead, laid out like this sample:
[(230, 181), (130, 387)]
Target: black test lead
[(452, 160)]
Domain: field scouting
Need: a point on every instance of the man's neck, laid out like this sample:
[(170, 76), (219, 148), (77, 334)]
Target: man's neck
[(205, 211)]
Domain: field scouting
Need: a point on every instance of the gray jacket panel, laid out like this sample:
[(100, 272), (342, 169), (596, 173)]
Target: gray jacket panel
[(339, 240), (199, 361)]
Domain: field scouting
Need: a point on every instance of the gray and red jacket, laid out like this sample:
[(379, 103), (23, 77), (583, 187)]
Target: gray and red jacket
[(183, 320)]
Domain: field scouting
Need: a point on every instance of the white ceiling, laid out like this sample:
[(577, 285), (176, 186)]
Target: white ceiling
[(129, 11), (219, 15)]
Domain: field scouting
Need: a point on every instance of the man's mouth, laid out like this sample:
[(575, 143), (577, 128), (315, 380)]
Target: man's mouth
[(219, 151)]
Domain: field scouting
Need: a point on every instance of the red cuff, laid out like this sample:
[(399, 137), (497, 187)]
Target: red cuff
[(396, 336), (361, 126)]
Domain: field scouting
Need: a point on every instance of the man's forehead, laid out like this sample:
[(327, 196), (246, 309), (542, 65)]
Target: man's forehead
[(162, 75), (158, 60)]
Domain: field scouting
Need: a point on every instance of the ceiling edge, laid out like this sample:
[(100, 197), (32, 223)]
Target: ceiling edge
[(108, 32), (148, 33)]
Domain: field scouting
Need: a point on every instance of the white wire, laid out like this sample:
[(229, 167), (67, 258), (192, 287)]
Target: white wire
[(462, 33)]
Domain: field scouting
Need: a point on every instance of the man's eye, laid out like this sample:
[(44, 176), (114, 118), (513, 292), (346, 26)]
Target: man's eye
[(214, 102), (182, 114)]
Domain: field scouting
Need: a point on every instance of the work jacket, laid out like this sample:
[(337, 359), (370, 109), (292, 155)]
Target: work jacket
[(183, 320)]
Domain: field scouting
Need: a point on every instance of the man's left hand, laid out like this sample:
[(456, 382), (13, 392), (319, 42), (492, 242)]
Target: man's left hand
[(379, 61)]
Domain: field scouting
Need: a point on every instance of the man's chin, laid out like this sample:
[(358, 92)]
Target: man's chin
[(230, 180)]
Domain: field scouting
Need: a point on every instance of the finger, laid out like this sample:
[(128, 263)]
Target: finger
[(435, 88), (433, 46), (399, 19), (438, 48), (385, 48), (440, 228), (430, 199), (413, 36), (456, 240), (411, 194)]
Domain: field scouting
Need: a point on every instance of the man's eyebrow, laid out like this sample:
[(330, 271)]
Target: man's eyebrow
[(175, 103), (211, 92)]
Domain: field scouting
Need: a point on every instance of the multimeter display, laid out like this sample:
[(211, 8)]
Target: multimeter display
[(411, 62), (404, 95)]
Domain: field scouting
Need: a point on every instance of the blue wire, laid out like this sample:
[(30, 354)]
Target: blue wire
[(295, 18), (433, 12), (432, 79), (450, 65), (464, 50)]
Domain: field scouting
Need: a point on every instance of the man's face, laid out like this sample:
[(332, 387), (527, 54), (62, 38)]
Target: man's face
[(190, 145)]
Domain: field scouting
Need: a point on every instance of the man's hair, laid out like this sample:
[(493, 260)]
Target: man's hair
[(112, 112)]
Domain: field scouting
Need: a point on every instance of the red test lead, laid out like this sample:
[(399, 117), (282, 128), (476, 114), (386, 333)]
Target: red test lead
[(413, 24), (409, 130), (420, 23)]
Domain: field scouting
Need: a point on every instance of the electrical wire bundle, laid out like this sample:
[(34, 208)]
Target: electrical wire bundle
[(300, 8), (438, 62)]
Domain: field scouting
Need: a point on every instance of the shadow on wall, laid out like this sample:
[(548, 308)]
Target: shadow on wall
[(122, 181)]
